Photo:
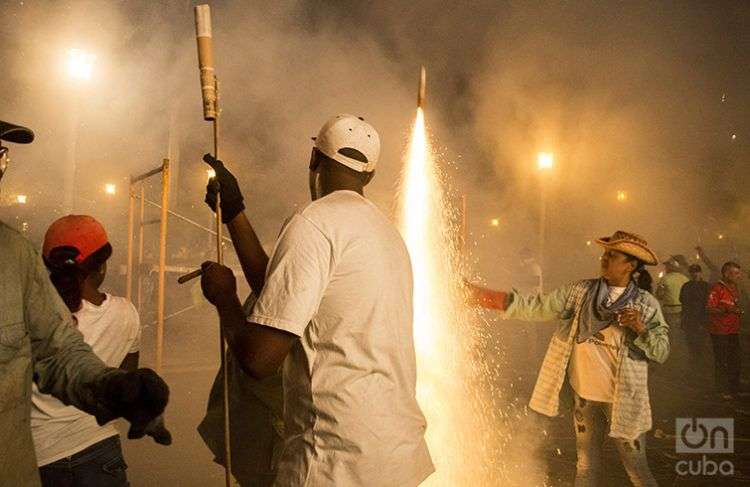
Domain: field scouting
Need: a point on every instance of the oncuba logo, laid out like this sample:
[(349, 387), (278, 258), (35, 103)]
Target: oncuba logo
[(704, 436)]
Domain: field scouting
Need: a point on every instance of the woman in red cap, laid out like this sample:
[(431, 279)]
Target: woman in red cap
[(609, 329), (71, 448)]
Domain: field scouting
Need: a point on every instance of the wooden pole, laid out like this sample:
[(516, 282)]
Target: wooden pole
[(129, 272), (210, 95), (138, 271), (162, 263), (223, 347)]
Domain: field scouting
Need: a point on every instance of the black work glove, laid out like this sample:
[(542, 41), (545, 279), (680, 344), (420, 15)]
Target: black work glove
[(232, 202), (140, 397)]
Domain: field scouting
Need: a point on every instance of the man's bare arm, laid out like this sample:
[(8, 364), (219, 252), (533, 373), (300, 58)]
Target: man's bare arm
[(260, 350), (252, 257)]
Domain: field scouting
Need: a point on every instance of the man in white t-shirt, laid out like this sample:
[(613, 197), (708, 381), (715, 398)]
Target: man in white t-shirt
[(335, 309)]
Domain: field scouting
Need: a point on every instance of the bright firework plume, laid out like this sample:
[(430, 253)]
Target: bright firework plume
[(471, 427), (454, 432)]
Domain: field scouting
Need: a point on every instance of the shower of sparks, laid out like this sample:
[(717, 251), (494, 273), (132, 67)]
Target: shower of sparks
[(465, 430)]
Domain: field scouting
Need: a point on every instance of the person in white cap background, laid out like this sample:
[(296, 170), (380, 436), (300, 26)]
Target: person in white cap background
[(39, 344), (335, 308), (609, 329)]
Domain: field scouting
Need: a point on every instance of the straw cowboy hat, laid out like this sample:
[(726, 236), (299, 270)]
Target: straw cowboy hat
[(631, 244)]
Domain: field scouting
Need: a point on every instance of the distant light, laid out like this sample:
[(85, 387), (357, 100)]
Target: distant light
[(21, 199), (622, 195), (721, 236), (495, 222), (210, 173), (734, 136), (723, 97), (110, 188), (80, 64), (588, 243), (545, 160), (661, 274)]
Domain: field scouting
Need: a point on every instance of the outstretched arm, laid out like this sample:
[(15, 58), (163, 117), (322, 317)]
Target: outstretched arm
[(66, 367), (709, 263), (513, 305)]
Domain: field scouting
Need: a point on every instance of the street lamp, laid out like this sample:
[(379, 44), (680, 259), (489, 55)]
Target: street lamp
[(545, 160), (80, 64), (21, 199), (110, 188), (79, 68), (622, 195), (210, 173), (495, 222)]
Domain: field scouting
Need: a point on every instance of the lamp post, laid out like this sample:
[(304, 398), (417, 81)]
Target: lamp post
[(545, 161), (79, 68)]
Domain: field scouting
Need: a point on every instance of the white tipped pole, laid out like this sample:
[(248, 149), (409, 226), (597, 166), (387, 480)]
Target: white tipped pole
[(209, 92)]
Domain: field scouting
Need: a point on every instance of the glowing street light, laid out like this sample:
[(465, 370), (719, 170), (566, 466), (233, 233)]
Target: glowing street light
[(110, 188), (588, 243), (721, 236), (80, 64), (495, 222), (210, 173), (21, 199), (545, 160), (622, 195)]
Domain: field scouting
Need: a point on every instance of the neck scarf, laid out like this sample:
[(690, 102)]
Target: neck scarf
[(596, 314)]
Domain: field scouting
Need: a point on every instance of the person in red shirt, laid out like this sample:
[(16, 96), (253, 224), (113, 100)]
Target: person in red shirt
[(724, 326)]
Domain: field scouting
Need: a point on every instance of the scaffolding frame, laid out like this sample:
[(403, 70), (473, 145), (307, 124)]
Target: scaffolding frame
[(137, 182)]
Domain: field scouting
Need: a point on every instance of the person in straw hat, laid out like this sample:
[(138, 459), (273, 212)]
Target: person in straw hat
[(609, 329)]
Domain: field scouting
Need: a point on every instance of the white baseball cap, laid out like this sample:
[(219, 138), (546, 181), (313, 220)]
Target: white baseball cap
[(351, 141)]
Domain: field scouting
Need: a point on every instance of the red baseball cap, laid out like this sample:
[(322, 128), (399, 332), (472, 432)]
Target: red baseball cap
[(81, 232)]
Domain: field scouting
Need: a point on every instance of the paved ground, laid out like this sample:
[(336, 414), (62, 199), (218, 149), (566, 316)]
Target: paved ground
[(191, 360)]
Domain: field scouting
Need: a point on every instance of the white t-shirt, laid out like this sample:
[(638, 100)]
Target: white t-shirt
[(340, 279), (112, 330), (593, 363)]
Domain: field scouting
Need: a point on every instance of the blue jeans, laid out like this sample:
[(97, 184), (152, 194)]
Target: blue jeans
[(100, 465), (591, 421)]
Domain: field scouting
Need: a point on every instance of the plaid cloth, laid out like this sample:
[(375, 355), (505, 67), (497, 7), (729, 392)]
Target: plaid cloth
[(631, 410)]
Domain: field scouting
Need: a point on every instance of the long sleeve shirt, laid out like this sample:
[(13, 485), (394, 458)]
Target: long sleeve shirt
[(631, 409), (38, 340), (723, 297)]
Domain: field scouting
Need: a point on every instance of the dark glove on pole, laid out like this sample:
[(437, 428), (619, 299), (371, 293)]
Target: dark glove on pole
[(232, 202), (140, 397)]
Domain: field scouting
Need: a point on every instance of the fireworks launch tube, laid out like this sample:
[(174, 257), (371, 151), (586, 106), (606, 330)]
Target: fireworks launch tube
[(206, 60)]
